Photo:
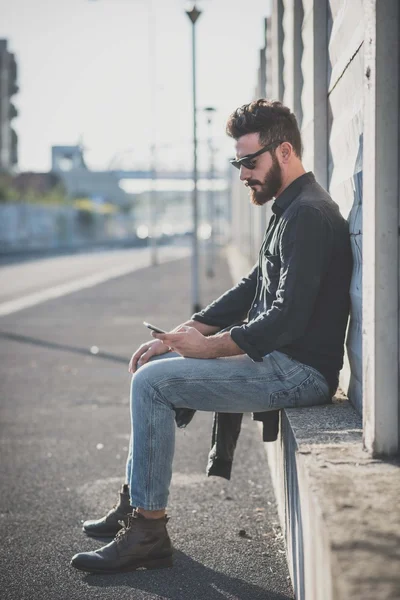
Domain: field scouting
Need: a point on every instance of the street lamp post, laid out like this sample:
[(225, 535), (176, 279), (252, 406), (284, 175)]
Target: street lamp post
[(193, 16), (153, 157), (211, 204)]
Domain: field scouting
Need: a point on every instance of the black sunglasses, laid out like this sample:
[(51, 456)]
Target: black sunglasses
[(248, 161)]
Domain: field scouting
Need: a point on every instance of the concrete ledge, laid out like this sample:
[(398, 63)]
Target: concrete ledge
[(338, 507)]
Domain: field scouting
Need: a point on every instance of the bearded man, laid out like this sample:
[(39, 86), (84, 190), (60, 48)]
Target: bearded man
[(275, 340)]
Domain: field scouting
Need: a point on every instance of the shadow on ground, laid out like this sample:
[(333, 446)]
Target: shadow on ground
[(23, 339), (177, 583)]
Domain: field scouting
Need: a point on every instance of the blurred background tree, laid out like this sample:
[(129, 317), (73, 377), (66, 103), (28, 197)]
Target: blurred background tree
[(7, 192)]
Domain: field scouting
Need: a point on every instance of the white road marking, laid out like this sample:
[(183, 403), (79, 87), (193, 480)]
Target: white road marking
[(12, 306)]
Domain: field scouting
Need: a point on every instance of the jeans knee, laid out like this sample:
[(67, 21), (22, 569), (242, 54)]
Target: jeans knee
[(145, 381), (155, 373), (140, 381), (149, 385)]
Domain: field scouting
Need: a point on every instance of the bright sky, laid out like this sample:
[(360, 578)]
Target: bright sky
[(86, 72)]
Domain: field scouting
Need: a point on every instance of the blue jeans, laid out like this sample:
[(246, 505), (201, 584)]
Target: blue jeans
[(230, 384)]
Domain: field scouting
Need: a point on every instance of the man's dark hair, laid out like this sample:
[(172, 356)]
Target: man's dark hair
[(270, 119)]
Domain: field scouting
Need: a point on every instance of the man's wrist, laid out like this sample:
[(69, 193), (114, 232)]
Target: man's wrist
[(222, 344), (204, 329)]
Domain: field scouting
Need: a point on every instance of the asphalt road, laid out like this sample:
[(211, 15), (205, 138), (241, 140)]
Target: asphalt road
[(64, 436), (28, 277)]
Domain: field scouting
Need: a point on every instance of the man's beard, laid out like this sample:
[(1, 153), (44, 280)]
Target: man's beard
[(270, 186)]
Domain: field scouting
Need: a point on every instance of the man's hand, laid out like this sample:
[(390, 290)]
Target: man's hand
[(156, 347), (187, 341), (145, 352), (190, 343)]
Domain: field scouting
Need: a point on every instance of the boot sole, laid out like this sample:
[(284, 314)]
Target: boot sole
[(100, 535), (154, 563)]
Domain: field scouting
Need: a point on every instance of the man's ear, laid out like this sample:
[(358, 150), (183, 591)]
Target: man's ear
[(286, 151)]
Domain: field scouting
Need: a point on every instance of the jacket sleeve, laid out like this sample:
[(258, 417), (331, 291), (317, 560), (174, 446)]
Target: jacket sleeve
[(233, 305)]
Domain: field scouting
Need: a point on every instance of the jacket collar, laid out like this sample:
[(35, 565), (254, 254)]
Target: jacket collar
[(285, 199)]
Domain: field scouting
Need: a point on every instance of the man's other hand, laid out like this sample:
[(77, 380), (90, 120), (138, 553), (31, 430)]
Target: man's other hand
[(145, 352), (186, 341)]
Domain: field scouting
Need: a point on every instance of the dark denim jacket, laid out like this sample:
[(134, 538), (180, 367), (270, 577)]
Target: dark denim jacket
[(225, 433)]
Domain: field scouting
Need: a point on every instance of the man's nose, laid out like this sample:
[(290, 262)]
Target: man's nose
[(244, 173)]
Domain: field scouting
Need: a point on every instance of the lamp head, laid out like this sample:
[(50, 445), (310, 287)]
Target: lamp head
[(193, 14)]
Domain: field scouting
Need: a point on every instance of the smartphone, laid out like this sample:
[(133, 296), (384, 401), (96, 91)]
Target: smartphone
[(156, 329)]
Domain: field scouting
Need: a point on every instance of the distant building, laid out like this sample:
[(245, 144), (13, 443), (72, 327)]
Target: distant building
[(67, 158), (8, 88), (101, 186)]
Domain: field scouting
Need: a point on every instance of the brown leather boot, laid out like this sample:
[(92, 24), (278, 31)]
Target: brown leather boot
[(142, 543), (109, 525)]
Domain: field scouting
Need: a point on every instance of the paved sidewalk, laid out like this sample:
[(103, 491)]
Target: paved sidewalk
[(64, 436)]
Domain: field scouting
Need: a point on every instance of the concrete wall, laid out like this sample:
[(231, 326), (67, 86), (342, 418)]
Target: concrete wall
[(345, 169), (315, 73), (30, 226), (292, 55), (380, 312)]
